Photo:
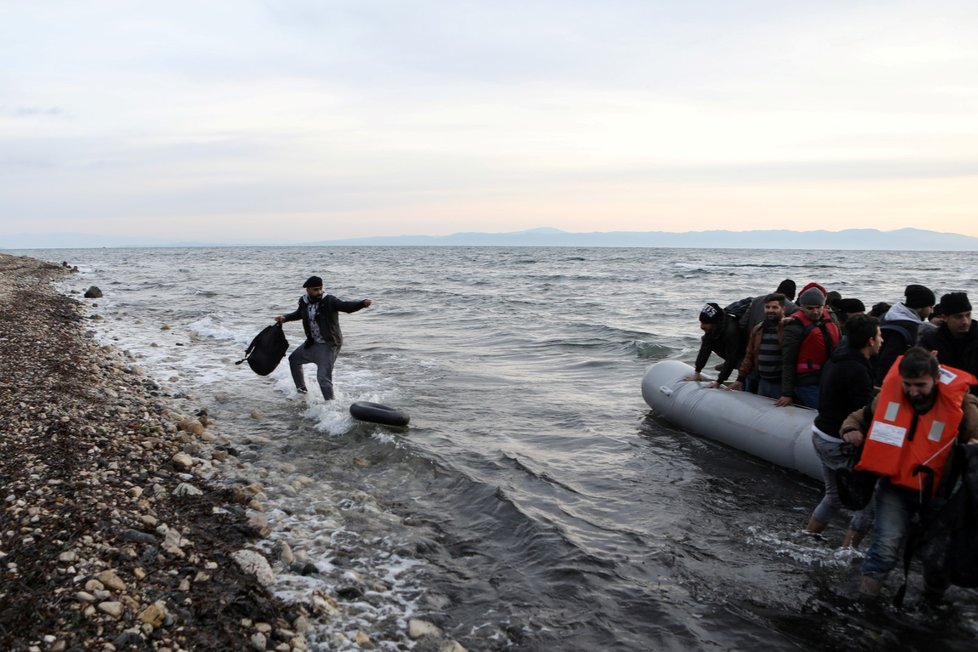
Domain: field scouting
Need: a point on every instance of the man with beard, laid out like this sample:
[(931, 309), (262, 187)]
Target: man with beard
[(321, 322), (908, 433), (956, 340), (764, 350)]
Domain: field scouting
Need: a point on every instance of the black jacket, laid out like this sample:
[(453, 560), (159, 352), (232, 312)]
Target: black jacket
[(846, 386), (728, 342), (898, 336), (327, 316), (960, 353)]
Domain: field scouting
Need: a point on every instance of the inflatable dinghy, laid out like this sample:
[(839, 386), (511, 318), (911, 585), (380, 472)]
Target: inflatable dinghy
[(744, 421), (377, 413)]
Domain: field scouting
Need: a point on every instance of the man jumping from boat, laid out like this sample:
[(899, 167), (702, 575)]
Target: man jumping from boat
[(320, 320)]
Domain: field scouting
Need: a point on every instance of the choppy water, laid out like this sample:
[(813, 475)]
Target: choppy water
[(534, 503)]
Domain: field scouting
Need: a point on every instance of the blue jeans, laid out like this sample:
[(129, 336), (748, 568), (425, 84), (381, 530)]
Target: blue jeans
[(807, 395), (895, 509)]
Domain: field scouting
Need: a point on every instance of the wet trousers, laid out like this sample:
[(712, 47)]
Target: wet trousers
[(321, 355)]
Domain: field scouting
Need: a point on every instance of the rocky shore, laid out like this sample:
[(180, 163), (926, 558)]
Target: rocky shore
[(116, 532), (107, 539)]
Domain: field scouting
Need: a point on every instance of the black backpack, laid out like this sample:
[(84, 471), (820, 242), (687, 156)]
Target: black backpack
[(739, 308), (266, 350)]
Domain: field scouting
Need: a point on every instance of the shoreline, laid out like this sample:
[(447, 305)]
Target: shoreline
[(118, 528), (106, 536), (126, 522)]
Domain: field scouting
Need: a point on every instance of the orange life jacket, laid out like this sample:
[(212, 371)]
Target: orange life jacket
[(814, 351), (912, 449)]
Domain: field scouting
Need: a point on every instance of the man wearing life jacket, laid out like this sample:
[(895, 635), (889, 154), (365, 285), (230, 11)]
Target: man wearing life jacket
[(847, 385), (807, 342), (908, 434)]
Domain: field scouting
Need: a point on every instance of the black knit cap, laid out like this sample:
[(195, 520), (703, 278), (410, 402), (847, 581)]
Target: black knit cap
[(787, 287), (851, 305), (954, 303), (313, 282), (711, 313), (919, 296)]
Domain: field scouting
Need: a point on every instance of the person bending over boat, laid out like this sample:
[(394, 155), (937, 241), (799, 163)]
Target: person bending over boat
[(846, 385), (807, 341), (320, 320), (763, 357), (721, 335), (908, 434)]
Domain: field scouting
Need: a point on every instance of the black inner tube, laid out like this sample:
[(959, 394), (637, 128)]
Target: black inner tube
[(377, 413)]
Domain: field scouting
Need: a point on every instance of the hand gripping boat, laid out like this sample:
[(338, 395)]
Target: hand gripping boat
[(744, 421)]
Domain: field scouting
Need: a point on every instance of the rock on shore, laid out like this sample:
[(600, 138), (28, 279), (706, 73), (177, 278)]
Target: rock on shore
[(107, 540)]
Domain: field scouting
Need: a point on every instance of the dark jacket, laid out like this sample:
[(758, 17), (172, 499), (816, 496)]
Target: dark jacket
[(846, 385), (960, 353), (727, 342), (327, 316), (899, 327)]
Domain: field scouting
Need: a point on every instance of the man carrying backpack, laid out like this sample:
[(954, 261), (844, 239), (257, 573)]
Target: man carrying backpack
[(320, 320)]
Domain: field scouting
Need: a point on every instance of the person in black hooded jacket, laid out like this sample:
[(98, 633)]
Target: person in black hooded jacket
[(721, 335), (320, 320), (846, 385)]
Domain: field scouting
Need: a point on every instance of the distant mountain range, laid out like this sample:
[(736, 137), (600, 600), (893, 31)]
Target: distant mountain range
[(856, 239)]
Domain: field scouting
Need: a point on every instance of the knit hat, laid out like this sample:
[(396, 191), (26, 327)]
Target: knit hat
[(787, 288), (850, 306), (811, 297), (313, 282), (919, 296), (954, 303), (711, 314)]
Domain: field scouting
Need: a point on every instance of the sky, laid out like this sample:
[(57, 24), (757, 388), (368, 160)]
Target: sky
[(277, 121)]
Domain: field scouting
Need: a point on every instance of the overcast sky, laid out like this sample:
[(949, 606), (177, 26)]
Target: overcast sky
[(295, 120)]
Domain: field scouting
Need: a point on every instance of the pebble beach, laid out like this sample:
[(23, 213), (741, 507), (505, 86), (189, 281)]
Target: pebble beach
[(111, 536)]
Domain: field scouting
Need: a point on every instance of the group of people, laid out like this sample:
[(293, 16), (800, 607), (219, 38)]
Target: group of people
[(895, 393)]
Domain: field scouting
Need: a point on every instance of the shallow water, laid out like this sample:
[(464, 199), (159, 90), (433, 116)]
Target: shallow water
[(534, 503)]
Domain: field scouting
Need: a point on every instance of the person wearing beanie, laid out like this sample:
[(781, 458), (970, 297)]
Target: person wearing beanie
[(956, 340), (721, 335), (807, 342), (319, 313), (849, 307), (901, 327)]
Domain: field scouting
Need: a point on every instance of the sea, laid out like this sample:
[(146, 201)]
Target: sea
[(534, 502)]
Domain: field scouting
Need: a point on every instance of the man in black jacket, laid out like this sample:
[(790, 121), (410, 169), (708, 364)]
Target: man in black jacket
[(846, 385), (721, 335), (320, 320), (956, 340)]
